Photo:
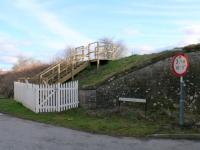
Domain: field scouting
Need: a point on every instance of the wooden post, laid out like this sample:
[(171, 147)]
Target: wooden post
[(114, 50), (40, 79), (88, 48), (58, 97), (83, 53), (58, 72), (89, 52), (76, 55), (67, 65), (97, 55), (72, 64)]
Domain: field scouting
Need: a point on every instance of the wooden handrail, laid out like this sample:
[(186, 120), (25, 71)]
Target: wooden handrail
[(93, 51)]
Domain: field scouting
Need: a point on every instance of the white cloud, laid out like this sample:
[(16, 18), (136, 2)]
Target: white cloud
[(151, 12), (143, 49), (189, 40), (51, 42), (10, 49), (8, 59), (166, 8), (3, 70), (191, 34), (7, 46), (131, 32), (192, 29), (52, 22)]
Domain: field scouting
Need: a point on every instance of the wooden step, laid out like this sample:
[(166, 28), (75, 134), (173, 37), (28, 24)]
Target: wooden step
[(75, 71)]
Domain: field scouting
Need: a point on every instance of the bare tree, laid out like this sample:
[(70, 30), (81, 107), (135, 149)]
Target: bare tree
[(68, 52), (64, 54), (25, 62), (120, 47), (2, 71)]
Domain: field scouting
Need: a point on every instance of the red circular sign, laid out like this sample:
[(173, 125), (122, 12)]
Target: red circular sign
[(180, 64)]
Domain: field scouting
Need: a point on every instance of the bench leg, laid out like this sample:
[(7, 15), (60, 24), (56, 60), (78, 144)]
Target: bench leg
[(145, 109), (119, 103)]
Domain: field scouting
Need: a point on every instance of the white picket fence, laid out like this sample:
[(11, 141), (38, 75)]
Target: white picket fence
[(47, 98)]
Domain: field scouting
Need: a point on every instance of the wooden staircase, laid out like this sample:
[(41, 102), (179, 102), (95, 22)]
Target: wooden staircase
[(62, 72), (74, 64)]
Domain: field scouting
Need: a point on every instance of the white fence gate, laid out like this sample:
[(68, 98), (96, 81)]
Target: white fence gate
[(47, 98)]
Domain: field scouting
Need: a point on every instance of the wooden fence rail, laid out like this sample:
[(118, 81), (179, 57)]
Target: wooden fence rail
[(47, 98)]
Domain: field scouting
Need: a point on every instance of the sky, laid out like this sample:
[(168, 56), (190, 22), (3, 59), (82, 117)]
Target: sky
[(42, 28)]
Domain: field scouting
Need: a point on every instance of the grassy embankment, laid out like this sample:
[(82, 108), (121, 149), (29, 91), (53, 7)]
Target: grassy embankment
[(92, 77), (117, 123)]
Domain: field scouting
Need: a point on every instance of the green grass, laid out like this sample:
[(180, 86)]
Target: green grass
[(91, 76), (117, 124), (79, 119)]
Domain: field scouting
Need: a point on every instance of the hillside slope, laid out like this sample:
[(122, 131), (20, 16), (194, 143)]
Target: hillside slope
[(92, 78)]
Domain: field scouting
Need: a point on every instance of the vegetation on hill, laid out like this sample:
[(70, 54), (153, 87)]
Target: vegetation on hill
[(91, 77)]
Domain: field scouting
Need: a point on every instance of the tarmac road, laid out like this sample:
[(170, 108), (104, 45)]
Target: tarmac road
[(18, 134)]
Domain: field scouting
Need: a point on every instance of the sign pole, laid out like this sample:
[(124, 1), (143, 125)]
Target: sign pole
[(180, 65), (182, 99)]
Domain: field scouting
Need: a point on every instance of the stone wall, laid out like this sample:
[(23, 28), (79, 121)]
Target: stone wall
[(87, 98), (156, 83)]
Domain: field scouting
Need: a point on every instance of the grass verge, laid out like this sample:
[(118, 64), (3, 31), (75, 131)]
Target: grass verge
[(111, 124), (79, 119)]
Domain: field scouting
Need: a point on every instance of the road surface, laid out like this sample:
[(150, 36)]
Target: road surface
[(18, 134)]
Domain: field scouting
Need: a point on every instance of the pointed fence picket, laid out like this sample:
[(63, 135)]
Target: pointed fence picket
[(47, 98)]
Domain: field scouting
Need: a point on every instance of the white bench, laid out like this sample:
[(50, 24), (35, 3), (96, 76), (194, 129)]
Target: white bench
[(136, 100)]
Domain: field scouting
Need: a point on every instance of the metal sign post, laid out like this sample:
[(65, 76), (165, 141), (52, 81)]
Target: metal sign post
[(180, 66), (182, 101)]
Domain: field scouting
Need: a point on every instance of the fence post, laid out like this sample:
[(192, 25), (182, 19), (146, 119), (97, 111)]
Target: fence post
[(58, 72), (15, 92), (58, 100), (37, 98), (76, 95), (97, 55)]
